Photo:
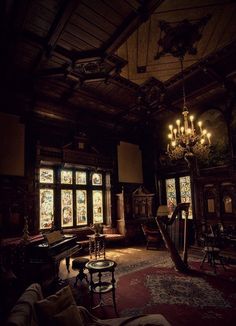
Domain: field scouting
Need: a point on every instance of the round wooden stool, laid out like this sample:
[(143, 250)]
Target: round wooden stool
[(79, 264)]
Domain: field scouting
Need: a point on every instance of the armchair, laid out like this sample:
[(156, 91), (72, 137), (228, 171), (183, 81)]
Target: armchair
[(152, 235)]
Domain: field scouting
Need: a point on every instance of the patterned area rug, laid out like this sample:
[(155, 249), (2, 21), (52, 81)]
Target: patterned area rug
[(199, 298), (195, 292)]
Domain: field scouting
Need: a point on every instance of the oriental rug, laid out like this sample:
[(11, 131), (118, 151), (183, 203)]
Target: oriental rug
[(199, 298)]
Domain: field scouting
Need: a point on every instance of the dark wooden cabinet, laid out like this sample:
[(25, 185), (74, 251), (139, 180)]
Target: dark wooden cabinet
[(133, 209)]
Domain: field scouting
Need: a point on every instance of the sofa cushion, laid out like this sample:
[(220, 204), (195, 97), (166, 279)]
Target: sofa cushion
[(54, 304), (23, 313), (68, 317)]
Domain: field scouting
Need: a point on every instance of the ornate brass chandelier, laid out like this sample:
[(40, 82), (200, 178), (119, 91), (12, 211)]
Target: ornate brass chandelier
[(185, 139)]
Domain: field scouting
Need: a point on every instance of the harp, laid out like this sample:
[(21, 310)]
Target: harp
[(162, 222)]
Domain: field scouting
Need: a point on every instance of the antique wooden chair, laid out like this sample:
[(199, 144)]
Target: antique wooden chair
[(152, 235)]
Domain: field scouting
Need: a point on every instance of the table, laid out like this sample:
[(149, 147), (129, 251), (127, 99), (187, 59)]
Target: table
[(97, 245), (101, 287)]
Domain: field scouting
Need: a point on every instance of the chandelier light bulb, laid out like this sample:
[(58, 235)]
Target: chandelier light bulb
[(200, 124), (191, 118), (182, 129), (178, 122), (173, 143), (170, 136), (209, 137), (170, 127), (204, 132)]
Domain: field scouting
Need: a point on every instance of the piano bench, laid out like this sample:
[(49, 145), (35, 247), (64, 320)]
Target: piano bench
[(79, 264)]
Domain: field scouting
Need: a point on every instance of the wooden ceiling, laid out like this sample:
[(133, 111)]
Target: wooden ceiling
[(93, 61)]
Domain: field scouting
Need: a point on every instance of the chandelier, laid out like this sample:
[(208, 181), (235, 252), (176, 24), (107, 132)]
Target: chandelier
[(185, 137)]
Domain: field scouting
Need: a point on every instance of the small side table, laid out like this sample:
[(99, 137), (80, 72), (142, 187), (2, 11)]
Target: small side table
[(97, 245), (212, 254), (100, 287)]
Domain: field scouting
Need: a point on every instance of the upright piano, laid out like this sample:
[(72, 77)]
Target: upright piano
[(51, 249)]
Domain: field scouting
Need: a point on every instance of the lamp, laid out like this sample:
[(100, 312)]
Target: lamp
[(162, 210), (185, 139)]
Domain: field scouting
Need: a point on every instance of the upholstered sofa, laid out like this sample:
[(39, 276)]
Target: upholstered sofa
[(32, 309)]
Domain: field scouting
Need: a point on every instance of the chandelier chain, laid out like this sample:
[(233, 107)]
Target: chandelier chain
[(182, 74)]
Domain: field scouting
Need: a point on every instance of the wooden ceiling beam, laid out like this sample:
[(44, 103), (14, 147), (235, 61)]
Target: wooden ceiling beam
[(132, 22), (210, 71), (213, 58), (50, 108), (89, 96), (61, 19)]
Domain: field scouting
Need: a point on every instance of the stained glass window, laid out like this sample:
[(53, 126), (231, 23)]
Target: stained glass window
[(185, 193), (66, 177), (78, 199), (46, 208), (46, 175), (171, 195), (97, 179), (66, 207), (97, 206), (80, 178), (81, 207)]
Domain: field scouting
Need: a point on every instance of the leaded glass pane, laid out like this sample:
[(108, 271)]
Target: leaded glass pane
[(80, 178), (185, 193), (81, 207), (46, 208), (97, 179), (171, 195), (97, 206), (66, 177), (46, 175), (66, 208)]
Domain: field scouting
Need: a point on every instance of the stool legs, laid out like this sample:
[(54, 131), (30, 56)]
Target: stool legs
[(81, 276)]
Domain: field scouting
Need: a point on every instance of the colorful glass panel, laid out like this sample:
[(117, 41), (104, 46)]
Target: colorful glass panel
[(97, 179), (185, 193), (46, 208), (171, 195), (66, 177), (80, 178), (81, 207), (97, 206), (66, 207), (46, 175)]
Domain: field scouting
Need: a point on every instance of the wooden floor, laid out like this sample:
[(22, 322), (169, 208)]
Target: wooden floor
[(126, 255), (134, 254)]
